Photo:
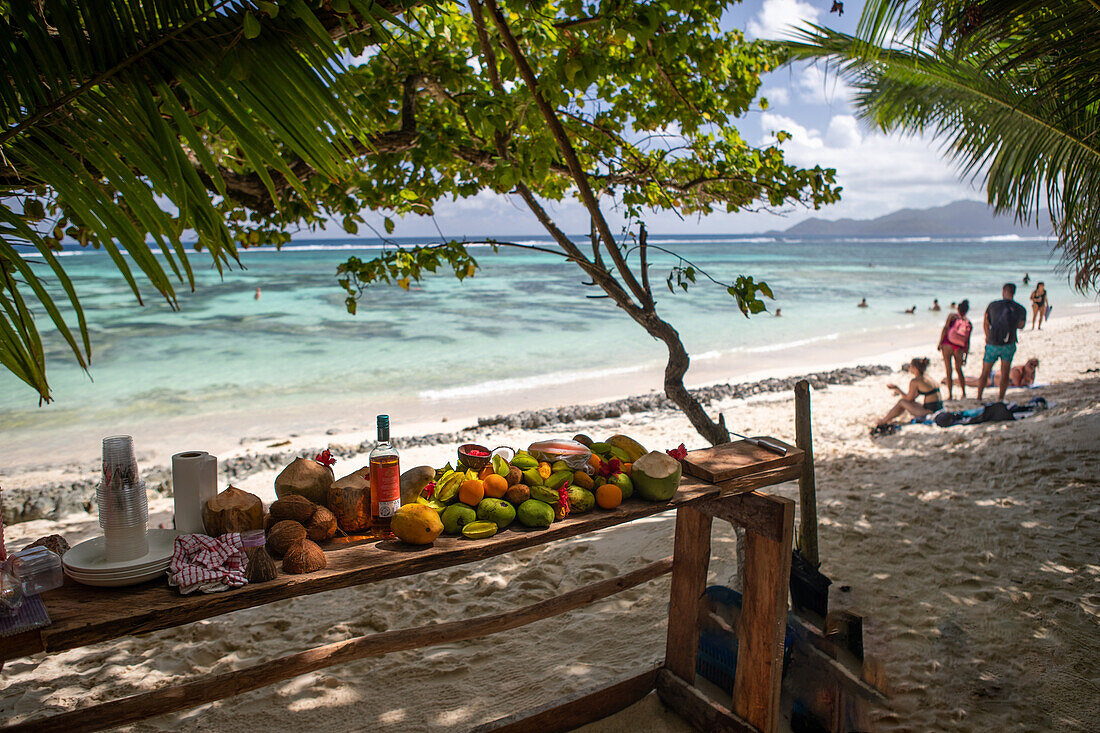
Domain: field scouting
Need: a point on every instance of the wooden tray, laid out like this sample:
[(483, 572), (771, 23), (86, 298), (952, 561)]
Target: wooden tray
[(734, 460)]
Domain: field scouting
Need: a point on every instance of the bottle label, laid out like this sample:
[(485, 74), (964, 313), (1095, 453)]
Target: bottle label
[(385, 482), (388, 508)]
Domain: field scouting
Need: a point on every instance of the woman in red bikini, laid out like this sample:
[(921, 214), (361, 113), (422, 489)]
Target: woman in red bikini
[(955, 345)]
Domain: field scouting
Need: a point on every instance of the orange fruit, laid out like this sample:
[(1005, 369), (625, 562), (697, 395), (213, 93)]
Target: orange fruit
[(545, 470), (626, 468), (594, 461), (495, 486), (471, 492), (486, 472), (609, 496)]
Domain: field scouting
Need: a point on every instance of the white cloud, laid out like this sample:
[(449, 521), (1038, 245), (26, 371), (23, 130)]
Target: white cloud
[(775, 95), (777, 16), (813, 85), (879, 173)]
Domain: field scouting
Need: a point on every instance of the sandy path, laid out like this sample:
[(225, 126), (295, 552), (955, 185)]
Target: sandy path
[(970, 551)]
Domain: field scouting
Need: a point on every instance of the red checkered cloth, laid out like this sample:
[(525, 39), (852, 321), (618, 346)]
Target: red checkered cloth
[(207, 564)]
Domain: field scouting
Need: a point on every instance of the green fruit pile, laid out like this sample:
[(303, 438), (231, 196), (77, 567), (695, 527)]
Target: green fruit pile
[(531, 492)]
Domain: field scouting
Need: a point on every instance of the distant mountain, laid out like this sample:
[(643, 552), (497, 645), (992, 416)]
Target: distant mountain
[(960, 219)]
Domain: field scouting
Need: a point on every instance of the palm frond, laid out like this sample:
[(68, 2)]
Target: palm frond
[(1009, 88), (110, 110)]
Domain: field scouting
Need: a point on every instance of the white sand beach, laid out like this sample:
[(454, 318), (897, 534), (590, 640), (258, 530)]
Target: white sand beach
[(969, 551)]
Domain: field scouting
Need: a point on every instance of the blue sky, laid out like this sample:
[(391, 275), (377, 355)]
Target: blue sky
[(879, 173)]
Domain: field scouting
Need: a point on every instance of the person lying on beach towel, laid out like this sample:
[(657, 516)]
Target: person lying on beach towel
[(919, 386), (1020, 376)]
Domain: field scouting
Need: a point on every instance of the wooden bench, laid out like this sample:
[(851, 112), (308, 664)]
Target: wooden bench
[(82, 615)]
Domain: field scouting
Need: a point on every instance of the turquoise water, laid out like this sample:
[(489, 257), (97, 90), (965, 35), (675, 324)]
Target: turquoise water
[(524, 318)]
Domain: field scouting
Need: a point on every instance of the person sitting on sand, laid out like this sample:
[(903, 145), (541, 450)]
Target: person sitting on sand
[(935, 305), (778, 312), (920, 385), (955, 346), (862, 303), (912, 310), (1018, 376)]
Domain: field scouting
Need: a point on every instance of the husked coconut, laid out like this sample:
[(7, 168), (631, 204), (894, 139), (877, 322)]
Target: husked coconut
[(293, 507), (284, 534), (304, 557), (232, 510), (349, 499), (321, 527), (261, 568), (304, 477)]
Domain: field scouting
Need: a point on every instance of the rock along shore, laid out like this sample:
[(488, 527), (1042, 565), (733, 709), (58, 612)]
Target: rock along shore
[(25, 504)]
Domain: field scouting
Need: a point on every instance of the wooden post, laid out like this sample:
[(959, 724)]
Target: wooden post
[(690, 560), (807, 489), (762, 624)]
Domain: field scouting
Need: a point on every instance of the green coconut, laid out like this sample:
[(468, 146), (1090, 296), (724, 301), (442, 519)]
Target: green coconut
[(656, 476)]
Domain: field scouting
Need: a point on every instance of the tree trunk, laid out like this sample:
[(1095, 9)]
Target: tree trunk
[(678, 362)]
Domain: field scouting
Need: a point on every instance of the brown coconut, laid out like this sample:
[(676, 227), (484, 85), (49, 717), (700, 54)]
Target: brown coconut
[(261, 568), (296, 508), (304, 557), (321, 527), (232, 510), (304, 477), (349, 499), (283, 535)]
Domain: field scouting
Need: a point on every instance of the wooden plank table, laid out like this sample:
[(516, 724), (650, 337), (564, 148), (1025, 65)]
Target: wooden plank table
[(83, 615)]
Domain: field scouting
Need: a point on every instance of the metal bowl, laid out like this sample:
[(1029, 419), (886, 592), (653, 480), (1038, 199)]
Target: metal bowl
[(475, 462)]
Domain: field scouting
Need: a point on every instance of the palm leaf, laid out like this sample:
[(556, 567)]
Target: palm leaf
[(1007, 105), (111, 109)]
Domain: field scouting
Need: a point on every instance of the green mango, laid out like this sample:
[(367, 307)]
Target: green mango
[(560, 466), (535, 513), (602, 448), (532, 477), (580, 500)]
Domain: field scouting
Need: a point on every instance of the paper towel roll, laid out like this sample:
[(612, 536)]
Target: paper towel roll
[(194, 482)]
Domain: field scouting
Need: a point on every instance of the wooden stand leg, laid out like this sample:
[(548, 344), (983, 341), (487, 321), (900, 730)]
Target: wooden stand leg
[(691, 559), (763, 619)]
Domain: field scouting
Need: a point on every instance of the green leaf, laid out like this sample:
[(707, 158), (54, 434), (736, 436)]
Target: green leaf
[(388, 223), (251, 26)]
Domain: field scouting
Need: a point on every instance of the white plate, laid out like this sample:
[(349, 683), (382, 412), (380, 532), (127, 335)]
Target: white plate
[(117, 582), (90, 556), (129, 573)]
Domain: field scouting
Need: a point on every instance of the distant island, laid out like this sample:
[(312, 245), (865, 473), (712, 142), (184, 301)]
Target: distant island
[(960, 219)]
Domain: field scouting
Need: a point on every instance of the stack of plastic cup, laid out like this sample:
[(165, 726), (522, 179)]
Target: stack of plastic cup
[(123, 506)]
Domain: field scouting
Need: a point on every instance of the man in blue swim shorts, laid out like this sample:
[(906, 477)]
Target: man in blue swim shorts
[(1002, 319)]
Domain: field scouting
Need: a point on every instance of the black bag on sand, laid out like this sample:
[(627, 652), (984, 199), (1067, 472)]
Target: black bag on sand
[(996, 412)]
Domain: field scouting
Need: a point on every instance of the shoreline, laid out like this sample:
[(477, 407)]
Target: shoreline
[(51, 491), (52, 502)]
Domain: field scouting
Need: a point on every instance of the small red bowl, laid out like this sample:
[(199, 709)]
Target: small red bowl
[(475, 462)]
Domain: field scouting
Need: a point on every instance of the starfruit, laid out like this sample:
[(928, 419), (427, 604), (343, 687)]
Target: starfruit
[(500, 466), (479, 530), (532, 477), (524, 460)]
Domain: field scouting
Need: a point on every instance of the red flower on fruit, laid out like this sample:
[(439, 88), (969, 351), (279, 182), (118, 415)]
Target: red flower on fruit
[(610, 467), (563, 499), (678, 453), (325, 458), (429, 490)]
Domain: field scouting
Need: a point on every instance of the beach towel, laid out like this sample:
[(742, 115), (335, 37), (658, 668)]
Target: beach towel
[(993, 412), (201, 563)]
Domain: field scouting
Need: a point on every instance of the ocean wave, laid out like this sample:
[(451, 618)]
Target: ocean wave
[(518, 384)]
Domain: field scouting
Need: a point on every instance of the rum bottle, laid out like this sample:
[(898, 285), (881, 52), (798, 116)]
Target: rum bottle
[(385, 481)]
